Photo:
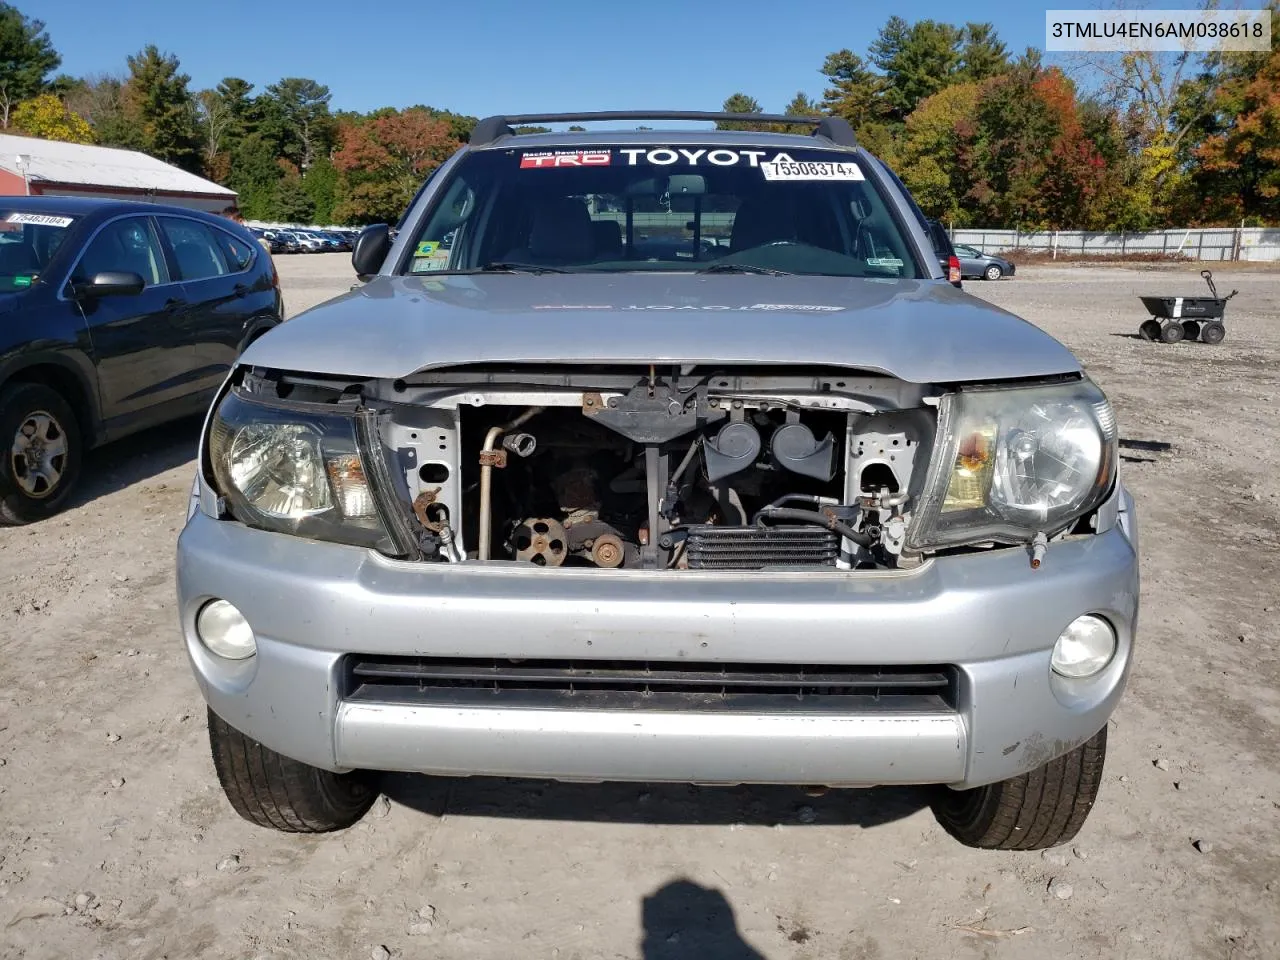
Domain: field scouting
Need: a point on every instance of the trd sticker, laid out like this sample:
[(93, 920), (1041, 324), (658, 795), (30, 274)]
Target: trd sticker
[(883, 262), (40, 218), (550, 159)]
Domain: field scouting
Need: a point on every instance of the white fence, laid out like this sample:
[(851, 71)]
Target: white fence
[(1198, 243)]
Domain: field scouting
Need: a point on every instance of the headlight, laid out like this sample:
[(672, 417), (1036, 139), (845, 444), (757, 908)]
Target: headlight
[(302, 469), (1010, 463)]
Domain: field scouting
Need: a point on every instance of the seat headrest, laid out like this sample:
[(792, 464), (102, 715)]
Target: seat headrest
[(561, 230), (760, 221), (608, 237)]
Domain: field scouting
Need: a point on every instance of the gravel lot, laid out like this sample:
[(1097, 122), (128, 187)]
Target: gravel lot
[(116, 842)]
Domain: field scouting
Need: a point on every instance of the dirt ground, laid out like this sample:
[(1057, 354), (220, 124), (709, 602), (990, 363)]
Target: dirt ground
[(116, 842)]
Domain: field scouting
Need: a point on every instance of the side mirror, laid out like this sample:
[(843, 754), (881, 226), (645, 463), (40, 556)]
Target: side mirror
[(371, 248), (111, 283)]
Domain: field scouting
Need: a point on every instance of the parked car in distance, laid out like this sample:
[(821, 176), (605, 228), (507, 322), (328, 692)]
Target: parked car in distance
[(975, 264), (267, 240), (309, 242), (114, 317), (284, 240), (583, 507), (946, 253)]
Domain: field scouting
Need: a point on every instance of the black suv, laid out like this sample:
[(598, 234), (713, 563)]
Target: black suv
[(114, 316)]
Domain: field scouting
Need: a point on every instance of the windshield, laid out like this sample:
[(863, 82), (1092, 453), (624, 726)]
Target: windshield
[(28, 242), (684, 208)]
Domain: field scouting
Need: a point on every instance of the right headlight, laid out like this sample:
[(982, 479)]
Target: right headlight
[(307, 469), (1009, 463)]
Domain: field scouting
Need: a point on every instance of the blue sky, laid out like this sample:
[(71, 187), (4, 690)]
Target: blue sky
[(492, 56)]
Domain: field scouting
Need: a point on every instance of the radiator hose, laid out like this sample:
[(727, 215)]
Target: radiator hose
[(819, 519), (486, 476)]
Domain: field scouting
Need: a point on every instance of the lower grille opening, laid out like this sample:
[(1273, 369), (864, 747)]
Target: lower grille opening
[(640, 685)]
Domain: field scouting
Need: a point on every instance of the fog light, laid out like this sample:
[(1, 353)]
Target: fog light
[(224, 630), (1085, 647)]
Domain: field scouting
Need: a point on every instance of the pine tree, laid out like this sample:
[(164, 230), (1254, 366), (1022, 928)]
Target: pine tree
[(157, 100), (27, 58)]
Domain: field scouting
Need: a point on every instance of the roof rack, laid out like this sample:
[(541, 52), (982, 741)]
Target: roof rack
[(490, 129)]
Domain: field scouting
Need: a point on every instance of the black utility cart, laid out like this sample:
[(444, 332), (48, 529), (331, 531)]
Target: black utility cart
[(1186, 318)]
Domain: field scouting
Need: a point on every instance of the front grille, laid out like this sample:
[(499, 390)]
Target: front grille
[(757, 548), (643, 685)]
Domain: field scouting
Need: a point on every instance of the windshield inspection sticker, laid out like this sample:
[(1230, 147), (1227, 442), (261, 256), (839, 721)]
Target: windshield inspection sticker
[(41, 219), (810, 170), (565, 158), (430, 255)]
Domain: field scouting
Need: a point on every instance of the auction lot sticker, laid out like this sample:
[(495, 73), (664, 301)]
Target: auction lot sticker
[(42, 219), (810, 170)]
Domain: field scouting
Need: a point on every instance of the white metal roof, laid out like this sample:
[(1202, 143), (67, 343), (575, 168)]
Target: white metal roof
[(76, 163)]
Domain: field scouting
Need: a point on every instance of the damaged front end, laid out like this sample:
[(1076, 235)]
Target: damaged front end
[(657, 467)]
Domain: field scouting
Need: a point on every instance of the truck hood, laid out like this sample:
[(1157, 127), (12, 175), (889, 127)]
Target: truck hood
[(919, 331)]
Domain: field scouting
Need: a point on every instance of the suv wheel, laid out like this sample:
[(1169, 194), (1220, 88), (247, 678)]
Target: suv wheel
[(40, 440), (1040, 809), (272, 790)]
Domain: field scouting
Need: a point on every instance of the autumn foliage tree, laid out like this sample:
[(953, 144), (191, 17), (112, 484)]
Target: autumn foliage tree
[(47, 117), (1239, 161), (384, 159)]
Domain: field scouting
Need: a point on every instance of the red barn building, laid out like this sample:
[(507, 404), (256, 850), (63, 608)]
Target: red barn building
[(52, 168)]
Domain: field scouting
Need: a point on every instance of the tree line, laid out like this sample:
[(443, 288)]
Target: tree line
[(288, 155), (984, 138), (980, 136)]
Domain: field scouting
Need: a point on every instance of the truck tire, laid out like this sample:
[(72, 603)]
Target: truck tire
[(1043, 808), (272, 790), (40, 452)]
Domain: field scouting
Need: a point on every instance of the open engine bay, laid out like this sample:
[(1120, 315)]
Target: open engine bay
[(656, 468)]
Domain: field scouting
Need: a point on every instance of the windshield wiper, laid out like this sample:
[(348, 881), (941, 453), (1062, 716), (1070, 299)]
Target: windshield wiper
[(507, 266), (745, 268)]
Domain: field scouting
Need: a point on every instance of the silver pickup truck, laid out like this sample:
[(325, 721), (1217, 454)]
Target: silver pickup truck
[(661, 455)]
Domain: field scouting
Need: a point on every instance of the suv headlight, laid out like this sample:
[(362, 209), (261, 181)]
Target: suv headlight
[(1009, 463), (305, 469)]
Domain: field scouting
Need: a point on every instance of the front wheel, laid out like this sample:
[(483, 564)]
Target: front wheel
[(272, 790), (993, 272), (1043, 808), (42, 450), (1213, 332)]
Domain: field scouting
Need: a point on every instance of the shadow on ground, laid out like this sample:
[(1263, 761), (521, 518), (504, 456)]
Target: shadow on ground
[(684, 921), (136, 458), (643, 803)]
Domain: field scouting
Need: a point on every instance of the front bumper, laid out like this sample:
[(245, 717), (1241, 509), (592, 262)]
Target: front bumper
[(988, 614)]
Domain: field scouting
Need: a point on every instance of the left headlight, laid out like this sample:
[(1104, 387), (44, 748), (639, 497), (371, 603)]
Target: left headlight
[(301, 469), (1011, 463)]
